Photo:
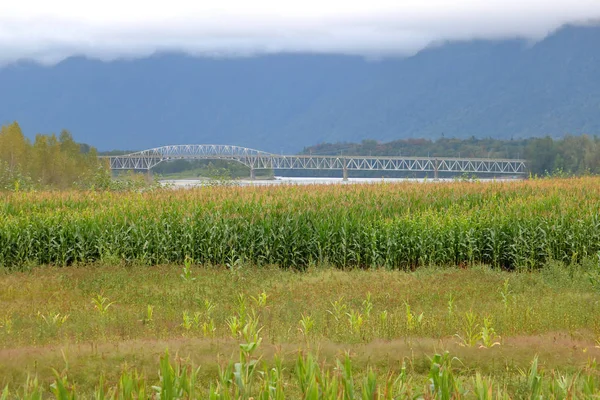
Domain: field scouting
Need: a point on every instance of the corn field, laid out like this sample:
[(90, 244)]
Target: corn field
[(398, 226), (310, 379)]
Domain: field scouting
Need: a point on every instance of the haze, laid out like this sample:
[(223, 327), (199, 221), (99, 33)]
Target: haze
[(48, 32)]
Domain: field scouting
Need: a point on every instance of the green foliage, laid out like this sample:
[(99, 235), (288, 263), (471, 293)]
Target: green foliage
[(517, 225), (49, 162), (245, 380), (571, 155)]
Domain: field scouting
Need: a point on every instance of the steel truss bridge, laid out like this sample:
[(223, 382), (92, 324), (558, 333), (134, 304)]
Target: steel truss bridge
[(256, 159)]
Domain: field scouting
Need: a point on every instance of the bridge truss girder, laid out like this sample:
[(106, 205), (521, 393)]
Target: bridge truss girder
[(255, 159)]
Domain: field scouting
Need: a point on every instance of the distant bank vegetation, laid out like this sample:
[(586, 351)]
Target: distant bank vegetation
[(50, 162), (571, 155)]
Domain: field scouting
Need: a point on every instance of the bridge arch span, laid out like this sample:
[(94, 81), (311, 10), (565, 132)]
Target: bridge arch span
[(256, 159)]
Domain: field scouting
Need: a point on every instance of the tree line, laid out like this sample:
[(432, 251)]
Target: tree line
[(50, 161), (570, 155)]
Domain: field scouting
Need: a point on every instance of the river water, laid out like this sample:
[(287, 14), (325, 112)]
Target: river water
[(182, 183)]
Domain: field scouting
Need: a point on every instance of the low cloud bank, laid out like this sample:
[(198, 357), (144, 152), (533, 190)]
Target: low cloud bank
[(49, 32)]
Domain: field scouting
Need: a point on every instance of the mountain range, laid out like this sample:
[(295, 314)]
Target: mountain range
[(284, 102)]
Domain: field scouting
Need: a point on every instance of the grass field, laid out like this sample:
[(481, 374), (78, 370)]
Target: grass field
[(99, 285)]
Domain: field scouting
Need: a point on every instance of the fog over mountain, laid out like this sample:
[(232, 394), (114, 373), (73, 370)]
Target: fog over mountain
[(49, 32), (489, 87)]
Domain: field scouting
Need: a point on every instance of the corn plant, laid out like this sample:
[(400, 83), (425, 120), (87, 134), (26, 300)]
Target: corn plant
[(149, 316), (102, 304), (307, 325), (451, 306), (246, 378), (355, 319), (534, 380), (245, 369), (177, 381), (412, 320), (483, 389), (471, 334), (260, 301), (234, 325), (488, 335), (186, 274), (444, 384), (505, 293), (524, 224), (188, 322), (56, 320), (62, 389)]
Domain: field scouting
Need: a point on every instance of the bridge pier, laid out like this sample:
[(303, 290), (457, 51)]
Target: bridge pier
[(252, 174)]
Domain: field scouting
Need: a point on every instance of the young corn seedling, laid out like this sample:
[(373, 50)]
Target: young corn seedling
[(383, 322), (339, 309), (260, 301), (470, 330), (273, 382), (187, 323), (56, 320), (306, 326), (400, 387), (367, 306), (483, 389), (197, 319), (562, 386), (187, 270), (505, 292), (244, 370), (209, 307), (534, 380), (130, 386), (61, 388), (488, 335), (451, 306), (176, 382), (412, 321), (209, 328), (309, 375), (234, 325), (32, 390), (345, 369), (355, 319), (369, 388), (208, 325), (102, 304), (443, 383), (149, 316)]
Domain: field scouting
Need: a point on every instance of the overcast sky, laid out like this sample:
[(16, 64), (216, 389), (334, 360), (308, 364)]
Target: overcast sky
[(49, 31)]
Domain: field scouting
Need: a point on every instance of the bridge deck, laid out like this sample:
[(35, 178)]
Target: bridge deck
[(255, 159)]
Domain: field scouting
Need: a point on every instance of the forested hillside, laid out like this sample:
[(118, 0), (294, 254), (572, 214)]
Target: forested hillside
[(282, 103)]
